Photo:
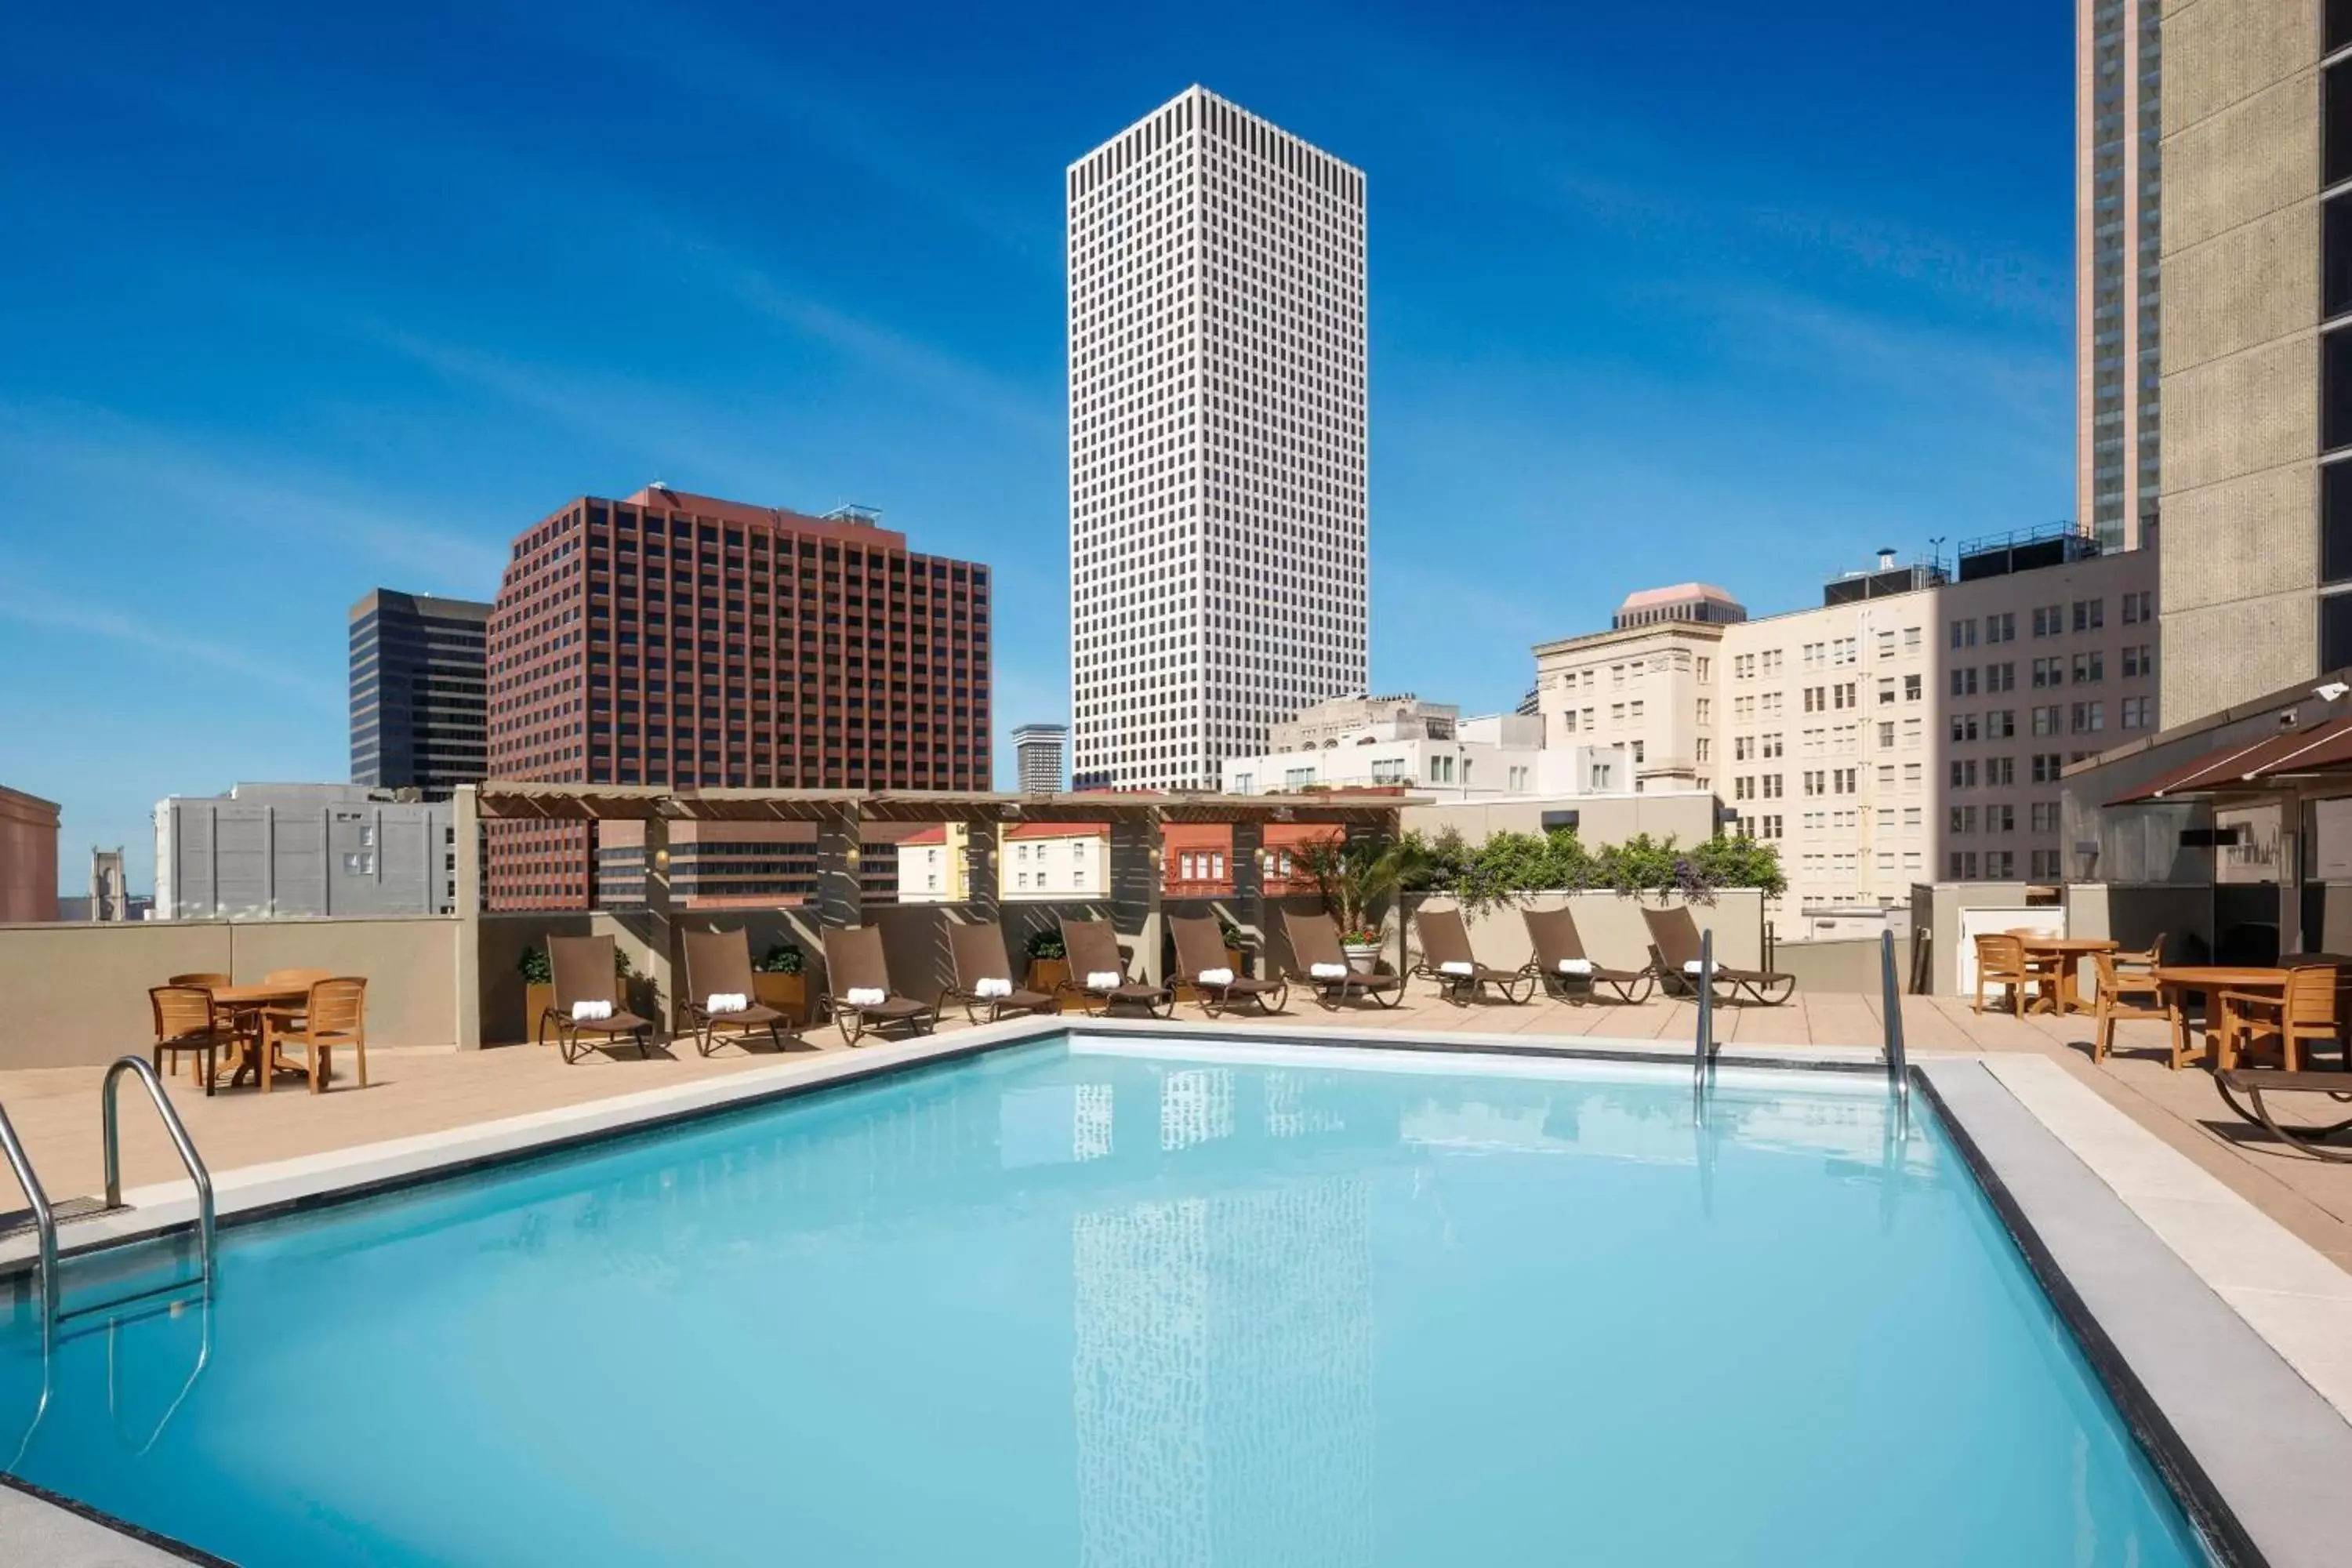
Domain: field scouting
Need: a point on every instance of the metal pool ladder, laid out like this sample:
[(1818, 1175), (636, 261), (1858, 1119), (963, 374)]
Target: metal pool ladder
[(45, 1214)]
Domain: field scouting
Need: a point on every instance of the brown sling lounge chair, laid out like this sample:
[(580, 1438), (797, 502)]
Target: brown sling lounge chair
[(1566, 974), (582, 967), (1446, 958), (1201, 949), (1674, 947), (1093, 948), (979, 952), (854, 961), (1314, 946), (718, 963)]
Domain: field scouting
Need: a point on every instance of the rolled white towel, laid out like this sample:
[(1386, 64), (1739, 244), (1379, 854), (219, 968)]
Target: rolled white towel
[(1102, 979), (1575, 966), (1327, 971), (1456, 966), (989, 990), (590, 1012), (724, 1002), (1691, 968), (1216, 977), (866, 997)]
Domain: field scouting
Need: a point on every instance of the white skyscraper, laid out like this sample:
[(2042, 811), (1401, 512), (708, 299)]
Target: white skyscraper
[(1217, 493)]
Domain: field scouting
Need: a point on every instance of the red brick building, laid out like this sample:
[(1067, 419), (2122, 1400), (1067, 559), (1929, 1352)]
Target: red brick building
[(1195, 858), (668, 638)]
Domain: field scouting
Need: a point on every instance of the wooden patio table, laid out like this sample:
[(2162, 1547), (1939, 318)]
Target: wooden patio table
[(2178, 980), (2063, 955), (248, 1001)]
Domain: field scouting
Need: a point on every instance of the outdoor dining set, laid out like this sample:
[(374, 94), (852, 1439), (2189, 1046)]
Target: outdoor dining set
[(2264, 1030), (253, 1029)]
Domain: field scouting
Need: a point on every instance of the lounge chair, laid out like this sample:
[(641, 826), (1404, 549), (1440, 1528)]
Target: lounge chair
[(1566, 974), (1318, 961), (857, 987), (1675, 949), (1462, 978), (719, 968), (1207, 968), (983, 976), (588, 1009), (1098, 972)]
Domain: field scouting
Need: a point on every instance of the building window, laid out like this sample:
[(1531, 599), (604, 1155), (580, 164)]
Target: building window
[(2336, 122), (2090, 614), (2335, 384), (2138, 712), (1964, 634), (1911, 689), (2336, 631)]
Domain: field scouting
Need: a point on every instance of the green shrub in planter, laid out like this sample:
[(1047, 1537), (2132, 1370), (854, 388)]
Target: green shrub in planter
[(783, 958)]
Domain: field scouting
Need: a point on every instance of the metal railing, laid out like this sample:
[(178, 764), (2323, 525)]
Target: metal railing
[(1703, 1048), (1898, 1074), (45, 1218), (202, 1178)]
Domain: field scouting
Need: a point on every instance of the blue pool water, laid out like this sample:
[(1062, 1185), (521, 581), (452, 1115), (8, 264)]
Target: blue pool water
[(1093, 1307)]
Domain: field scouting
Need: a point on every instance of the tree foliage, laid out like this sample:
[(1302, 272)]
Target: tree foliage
[(1507, 865)]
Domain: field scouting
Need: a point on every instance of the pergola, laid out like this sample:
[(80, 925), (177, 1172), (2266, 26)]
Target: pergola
[(839, 817)]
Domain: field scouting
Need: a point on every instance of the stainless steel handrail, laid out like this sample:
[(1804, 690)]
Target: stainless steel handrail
[(1704, 1047), (179, 1131), (45, 1220), (1898, 1074)]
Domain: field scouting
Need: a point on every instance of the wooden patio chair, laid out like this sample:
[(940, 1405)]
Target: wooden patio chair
[(1674, 951), (2127, 989), (859, 991), (187, 1021), (584, 984), (1098, 972), (2002, 961), (333, 1016), (1567, 975), (2307, 1010), (719, 968), (1462, 978), (1319, 962), (1207, 968), (983, 976)]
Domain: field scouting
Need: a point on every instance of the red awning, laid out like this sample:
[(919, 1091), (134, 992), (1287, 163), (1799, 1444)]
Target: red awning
[(2296, 750)]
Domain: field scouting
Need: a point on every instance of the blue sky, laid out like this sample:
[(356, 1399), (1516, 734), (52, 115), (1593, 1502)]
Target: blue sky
[(302, 300)]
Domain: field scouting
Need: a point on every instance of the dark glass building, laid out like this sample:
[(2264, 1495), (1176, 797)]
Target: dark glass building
[(417, 692)]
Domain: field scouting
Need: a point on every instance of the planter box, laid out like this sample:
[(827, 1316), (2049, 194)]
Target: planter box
[(787, 993), (1363, 957), (536, 1000), (1044, 973)]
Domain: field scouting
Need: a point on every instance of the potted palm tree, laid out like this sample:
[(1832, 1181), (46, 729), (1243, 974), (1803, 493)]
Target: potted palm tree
[(1354, 878), (780, 980), (1049, 961)]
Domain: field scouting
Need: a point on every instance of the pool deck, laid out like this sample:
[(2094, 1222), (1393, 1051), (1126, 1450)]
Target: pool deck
[(415, 1092)]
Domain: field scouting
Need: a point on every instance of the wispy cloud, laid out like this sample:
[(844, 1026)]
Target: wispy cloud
[(69, 609), (128, 461)]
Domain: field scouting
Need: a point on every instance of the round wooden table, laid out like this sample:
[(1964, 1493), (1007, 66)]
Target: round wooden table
[(2064, 955), (2178, 980), (253, 999)]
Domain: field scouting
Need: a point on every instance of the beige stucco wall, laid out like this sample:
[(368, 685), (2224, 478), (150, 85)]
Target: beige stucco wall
[(77, 995), (2240, 372), (1602, 819)]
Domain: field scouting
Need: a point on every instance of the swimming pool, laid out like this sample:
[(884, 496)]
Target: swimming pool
[(1122, 1302)]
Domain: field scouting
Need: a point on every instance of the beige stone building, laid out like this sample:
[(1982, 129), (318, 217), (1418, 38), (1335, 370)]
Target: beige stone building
[(2256, 384), (1909, 729)]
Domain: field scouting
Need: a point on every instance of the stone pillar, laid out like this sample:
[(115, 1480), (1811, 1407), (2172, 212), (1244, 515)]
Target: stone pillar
[(1249, 890), (840, 893), (980, 852), (1135, 888), (466, 841), (661, 943)]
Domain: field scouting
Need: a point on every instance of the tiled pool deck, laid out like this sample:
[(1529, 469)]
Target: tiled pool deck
[(415, 1092)]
